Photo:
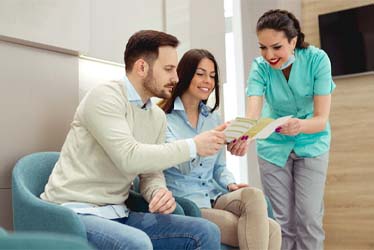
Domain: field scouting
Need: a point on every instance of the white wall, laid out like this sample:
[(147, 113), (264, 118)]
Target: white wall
[(38, 97), (93, 28), (63, 24), (93, 73), (198, 24), (112, 22)]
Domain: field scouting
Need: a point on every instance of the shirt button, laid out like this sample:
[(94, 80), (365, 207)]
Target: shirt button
[(201, 164), (203, 184), (199, 177), (206, 195)]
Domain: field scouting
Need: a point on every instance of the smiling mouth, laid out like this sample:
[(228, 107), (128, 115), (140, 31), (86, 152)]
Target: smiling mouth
[(206, 90), (274, 62)]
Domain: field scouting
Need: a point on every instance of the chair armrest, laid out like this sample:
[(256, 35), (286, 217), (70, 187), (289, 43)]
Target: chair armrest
[(137, 203), (34, 214), (34, 241), (189, 207)]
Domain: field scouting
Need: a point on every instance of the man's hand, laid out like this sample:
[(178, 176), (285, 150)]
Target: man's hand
[(162, 202), (210, 142), (239, 146), (233, 186)]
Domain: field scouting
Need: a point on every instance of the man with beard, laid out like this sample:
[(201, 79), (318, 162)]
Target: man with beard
[(118, 133)]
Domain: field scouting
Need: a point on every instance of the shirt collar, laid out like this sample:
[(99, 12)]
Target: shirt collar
[(178, 105), (134, 97)]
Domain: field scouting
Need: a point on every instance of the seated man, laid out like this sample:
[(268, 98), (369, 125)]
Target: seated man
[(113, 138)]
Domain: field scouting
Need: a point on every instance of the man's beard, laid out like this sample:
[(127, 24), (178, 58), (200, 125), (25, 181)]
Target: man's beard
[(151, 85)]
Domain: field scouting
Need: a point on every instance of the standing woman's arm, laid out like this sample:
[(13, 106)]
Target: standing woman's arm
[(321, 114), (254, 107), (255, 91), (313, 125), (322, 89)]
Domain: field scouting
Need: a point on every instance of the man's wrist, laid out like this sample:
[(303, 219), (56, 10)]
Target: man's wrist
[(155, 191)]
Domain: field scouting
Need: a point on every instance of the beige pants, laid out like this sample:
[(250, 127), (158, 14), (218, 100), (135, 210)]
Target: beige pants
[(242, 218)]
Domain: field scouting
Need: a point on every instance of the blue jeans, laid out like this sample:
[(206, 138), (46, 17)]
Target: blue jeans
[(151, 231)]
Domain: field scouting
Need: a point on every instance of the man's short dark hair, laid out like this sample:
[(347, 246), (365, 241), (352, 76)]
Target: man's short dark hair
[(144, 44)]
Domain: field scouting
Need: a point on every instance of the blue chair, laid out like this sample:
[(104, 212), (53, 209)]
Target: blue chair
[(30, 213), (37, 241)]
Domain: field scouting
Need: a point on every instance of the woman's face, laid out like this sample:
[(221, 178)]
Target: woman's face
[(274, 47), (203, 82)]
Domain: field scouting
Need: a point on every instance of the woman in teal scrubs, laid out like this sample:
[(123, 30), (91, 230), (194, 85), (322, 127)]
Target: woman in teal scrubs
[(292, 78)]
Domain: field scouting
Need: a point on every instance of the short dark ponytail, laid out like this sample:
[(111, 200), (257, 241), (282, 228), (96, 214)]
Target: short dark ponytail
[(282, 20)]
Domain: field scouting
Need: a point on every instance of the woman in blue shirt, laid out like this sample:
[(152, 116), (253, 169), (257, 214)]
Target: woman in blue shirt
[(241, 214), (292, 78)]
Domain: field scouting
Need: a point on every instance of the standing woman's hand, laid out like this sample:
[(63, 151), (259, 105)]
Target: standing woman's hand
[(239, 147), (291, 127)]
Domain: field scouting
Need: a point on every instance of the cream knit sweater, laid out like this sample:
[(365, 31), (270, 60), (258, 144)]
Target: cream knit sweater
[(110, 142)]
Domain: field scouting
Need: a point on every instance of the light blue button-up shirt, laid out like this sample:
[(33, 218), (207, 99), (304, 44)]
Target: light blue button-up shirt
[(134, 97), (310, 76), (195, 179)]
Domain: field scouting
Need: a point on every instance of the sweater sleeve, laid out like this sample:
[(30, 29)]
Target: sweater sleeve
[(150, 183), (104, 116)]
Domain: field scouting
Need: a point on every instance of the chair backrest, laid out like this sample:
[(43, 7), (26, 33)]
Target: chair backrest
[(30, 213), (2, 232), (31, 173)]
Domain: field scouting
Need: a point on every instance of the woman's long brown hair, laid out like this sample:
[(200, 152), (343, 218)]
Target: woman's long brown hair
[(186, 70)]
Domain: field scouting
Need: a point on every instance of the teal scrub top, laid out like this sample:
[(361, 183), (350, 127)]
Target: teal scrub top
[(310, 76)]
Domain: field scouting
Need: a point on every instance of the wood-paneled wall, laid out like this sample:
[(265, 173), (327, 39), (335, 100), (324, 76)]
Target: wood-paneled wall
[(349, 196)]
